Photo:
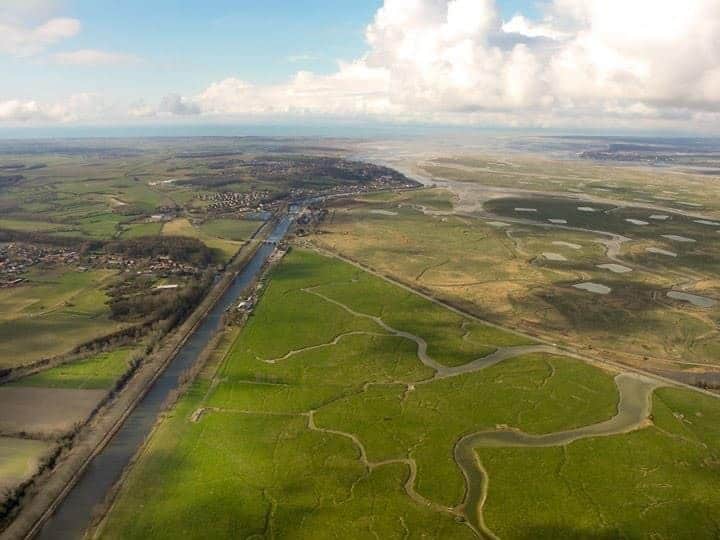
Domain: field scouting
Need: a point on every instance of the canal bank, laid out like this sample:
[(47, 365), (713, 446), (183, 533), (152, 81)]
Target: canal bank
[(71, 509)]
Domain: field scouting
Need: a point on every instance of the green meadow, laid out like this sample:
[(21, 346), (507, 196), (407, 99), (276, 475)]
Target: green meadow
[(99, 371), (53, 313), (330, 426)]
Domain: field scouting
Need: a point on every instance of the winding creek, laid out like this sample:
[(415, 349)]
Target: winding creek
[(633, 413), (74, 513)]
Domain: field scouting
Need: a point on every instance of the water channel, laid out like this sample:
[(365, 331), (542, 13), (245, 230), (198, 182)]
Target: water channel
[(73, 515)]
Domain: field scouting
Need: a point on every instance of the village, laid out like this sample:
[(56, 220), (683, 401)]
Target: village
[(17, 258), (231, 201)]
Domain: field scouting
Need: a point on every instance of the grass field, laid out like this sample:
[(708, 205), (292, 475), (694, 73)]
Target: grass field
[(137, 230), (52, 314), (19, 459), (311, 426), (660, 482), (97, 372), (237, 230), (226, 249)]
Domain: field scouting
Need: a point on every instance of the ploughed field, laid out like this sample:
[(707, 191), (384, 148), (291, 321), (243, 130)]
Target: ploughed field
[(350, 407), (513, 266), (37, 411)]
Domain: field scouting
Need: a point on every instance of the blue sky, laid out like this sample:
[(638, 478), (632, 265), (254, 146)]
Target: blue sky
[(184, 45), (647, 64)]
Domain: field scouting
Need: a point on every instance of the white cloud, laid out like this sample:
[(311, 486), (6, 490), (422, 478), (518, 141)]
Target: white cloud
[(580, 63), (92, 57), (21, 40), (78, 107), (21, 111), (520, 25), (175, 104)]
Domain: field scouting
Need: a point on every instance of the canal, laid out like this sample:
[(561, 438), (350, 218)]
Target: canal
[(72, 517)]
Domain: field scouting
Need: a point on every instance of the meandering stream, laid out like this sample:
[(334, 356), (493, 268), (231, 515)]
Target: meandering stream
[(633, 413)]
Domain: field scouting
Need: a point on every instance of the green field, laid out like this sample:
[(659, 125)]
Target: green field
[(137, 230), (53, 313), (238, 230), (19, 459), (311, 426), (660, 482), (225, 249), (100, 371)]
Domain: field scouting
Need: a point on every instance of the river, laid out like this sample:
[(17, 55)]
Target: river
[(72, 517)]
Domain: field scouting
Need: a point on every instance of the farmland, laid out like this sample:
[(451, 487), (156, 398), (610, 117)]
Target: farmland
[(52, 313), (106, 247), (444, 362), (225, 249), (345, 410), (97, 372), (19, 458)]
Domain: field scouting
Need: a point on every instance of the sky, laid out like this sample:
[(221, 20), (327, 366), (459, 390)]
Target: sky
[(540, 64)]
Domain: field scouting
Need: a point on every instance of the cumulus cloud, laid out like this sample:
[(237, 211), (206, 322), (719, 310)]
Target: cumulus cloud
[(92, 57), (436, 59), (651, 58), (579, 63), (78, 107), (533, 29)]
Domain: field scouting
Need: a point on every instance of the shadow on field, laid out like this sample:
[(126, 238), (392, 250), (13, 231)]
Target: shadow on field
[(552, 532), (689, 520)]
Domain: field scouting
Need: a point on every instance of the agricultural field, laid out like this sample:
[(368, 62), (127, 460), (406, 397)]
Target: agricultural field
[(225, 249), (98, 372), (52, 313), (38, 409), (19, 459), (230, 229), (45, 413), (352, 424)]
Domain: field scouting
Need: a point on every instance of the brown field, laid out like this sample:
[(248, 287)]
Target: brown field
[(45, 412)]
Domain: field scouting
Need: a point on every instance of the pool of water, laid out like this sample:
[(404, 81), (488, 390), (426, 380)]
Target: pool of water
[(596, 288), (694, 299)]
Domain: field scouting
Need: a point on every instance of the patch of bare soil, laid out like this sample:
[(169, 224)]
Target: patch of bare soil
[(45, 412)]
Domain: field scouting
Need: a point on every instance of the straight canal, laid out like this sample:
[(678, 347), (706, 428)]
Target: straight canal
[(73, 515)]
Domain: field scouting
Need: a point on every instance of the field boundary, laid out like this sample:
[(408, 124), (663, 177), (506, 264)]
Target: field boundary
[(47, 496)]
